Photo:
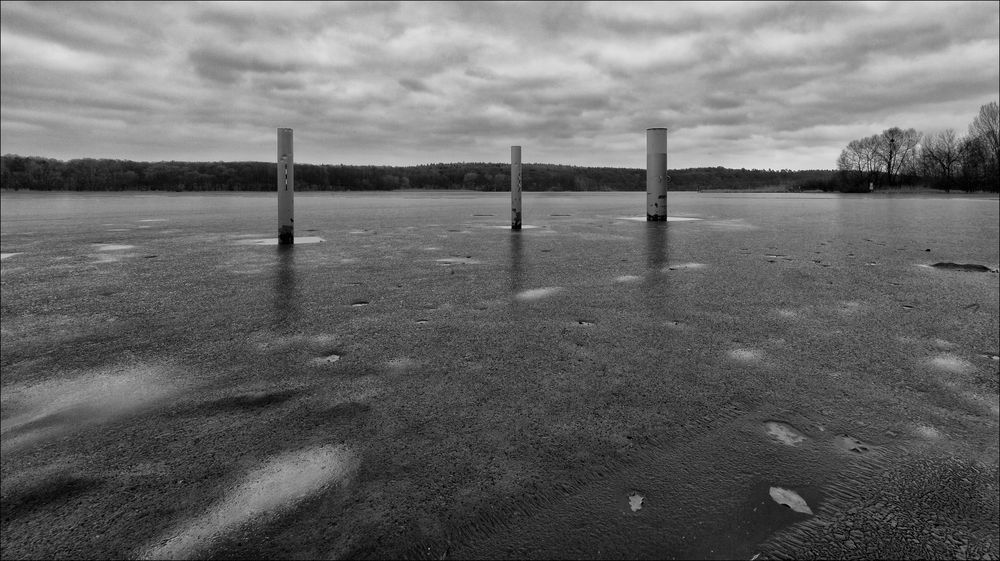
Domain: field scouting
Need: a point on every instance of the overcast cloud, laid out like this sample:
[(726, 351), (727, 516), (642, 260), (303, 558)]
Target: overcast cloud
[(754, 85)]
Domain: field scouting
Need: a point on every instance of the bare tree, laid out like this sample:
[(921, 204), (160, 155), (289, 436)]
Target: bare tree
[(860, 161), (895, 149), (980, 151), (986, 126), (940, 156)]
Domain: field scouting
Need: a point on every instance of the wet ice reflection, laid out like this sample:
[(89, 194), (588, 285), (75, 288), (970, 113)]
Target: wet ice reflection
[(274, 240), (537, 293), (282, 482), (655, 282), (286, 301), (516, 262), (54, 408)]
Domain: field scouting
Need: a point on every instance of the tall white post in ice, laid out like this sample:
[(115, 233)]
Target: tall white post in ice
[(286, 188), (515, 187), (656, 174)]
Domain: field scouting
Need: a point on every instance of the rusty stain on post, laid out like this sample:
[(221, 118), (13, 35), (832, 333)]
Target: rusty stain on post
[(656, 174), (515, 187), (286, 188)]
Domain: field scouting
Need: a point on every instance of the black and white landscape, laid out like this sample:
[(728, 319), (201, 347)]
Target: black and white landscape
[(801, 359)]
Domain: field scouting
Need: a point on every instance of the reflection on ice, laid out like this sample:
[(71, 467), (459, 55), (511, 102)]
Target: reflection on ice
[(274, 240), (282, 482), (951, 363), (537, 293), (669, 218), (746, 355), (57, 407)]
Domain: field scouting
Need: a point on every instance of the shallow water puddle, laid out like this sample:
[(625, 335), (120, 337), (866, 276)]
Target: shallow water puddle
[(324, 360), (53, 408), (746, 355), (627, 278), (106, 259), (274, 241), (507, 227), (400, 364), (635, 501), (9, 255), (927, 432), (789, 498), (112, 247), (537, 293), (467, 260), (153, 220), (279, 484), (669, 218), (848, 443), (784, 433), (683, 266), (951, 363)]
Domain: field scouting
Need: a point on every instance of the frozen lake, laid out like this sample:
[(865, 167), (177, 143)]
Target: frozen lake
[(420, 381)]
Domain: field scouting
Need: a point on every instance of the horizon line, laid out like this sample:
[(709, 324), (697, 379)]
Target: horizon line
[(399, 165)]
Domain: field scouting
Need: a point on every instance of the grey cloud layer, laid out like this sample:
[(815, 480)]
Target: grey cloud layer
[(740, 85)]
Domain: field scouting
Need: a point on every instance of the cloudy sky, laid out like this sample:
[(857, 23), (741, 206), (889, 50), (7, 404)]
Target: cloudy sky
[(755, 85)]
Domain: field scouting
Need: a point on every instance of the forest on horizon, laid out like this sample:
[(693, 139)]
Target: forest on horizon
[(46, 174)]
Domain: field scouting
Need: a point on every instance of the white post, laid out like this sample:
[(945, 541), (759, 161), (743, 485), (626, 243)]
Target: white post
[(656, 174), (515, 187), (286, 188)]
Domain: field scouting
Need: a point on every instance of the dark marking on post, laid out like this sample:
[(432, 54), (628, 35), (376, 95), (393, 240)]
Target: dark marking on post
[(515, 224), (286, 235)]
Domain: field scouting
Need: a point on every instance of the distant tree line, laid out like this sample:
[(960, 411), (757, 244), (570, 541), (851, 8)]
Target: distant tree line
[(21, 172), (942, 160)]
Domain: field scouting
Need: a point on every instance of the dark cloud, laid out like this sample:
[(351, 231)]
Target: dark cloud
[(227, 66), (723, 101), (413, 85)]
